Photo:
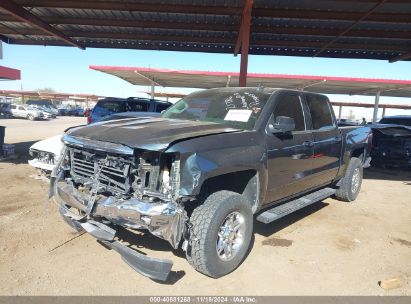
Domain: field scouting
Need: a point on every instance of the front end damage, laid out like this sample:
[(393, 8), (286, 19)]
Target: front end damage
[(100, 185)]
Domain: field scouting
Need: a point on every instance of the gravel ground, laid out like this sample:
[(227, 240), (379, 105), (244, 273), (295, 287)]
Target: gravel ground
[(329, 248)]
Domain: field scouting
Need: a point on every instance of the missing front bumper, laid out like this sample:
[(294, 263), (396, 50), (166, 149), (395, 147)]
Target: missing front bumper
[(165, 220), (156, 269)]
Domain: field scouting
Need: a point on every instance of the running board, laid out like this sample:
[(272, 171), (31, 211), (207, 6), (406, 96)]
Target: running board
[(284, 209)]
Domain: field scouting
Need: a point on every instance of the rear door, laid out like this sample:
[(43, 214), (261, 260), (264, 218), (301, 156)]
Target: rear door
[(327, 139), (289, 156)]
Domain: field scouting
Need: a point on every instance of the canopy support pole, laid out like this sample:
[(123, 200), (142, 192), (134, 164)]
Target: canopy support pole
[(244, 64), (376, 103), (243, 41), (339, 112), (383, 112), (152, 90)]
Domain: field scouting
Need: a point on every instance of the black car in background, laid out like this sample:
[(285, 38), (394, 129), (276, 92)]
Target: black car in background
[(110, 105), (392, 142), (402, 120), (5, 110)]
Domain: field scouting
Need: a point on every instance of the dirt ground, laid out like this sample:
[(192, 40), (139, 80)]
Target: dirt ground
[(329, 248)]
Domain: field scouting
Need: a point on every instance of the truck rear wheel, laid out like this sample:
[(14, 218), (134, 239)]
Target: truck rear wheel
[(351, 182), (221, 232), (30, 117)]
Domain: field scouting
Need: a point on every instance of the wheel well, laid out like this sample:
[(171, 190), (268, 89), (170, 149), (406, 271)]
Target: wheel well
[(359, 153), (241, 182)]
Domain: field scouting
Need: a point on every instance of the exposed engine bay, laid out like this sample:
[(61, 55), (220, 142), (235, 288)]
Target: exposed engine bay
[(138, 191)]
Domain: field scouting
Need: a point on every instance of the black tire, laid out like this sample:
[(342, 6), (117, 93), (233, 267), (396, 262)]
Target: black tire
[(347, 190), (206, 221), (30, 117), (71, 223)]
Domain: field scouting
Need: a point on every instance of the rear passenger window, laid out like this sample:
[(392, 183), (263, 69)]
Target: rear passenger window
[(320, 112), (137, 106), (290, 106)]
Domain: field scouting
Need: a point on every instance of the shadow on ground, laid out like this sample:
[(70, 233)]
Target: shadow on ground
[(388, 174), (278, 225)]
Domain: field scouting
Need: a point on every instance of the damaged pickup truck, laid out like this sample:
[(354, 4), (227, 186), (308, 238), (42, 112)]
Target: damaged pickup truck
[(201, 173)]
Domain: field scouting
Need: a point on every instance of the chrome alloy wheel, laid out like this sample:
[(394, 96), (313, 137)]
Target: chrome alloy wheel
[(355, 181), (230, 236)]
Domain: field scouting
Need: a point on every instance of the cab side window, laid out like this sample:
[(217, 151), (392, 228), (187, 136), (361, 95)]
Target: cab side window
[(320, 112), (290, 106)]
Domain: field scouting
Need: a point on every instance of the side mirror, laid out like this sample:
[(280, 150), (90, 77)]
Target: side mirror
[(283, 124)]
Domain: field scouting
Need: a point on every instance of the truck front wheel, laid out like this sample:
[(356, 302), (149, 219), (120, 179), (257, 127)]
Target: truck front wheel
[(351, 183), (221, 233)]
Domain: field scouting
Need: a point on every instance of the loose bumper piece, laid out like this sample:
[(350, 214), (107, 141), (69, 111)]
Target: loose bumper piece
[(156, 269), (163, 219)]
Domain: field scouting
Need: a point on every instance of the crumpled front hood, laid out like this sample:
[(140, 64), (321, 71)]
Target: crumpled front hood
[(149, 133)]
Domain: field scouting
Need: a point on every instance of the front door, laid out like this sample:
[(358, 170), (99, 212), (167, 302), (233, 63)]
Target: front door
[(289, 156)]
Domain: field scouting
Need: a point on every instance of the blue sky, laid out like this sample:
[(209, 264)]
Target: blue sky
[(65, 69)]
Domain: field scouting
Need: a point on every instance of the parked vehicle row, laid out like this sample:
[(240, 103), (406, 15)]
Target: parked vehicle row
[(35, 111), (111, 105), (70, 111)]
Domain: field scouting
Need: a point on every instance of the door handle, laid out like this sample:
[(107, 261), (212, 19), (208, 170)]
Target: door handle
[(308, 143)]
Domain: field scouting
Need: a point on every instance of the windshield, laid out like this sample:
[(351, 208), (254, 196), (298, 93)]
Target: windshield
[(234, 108)]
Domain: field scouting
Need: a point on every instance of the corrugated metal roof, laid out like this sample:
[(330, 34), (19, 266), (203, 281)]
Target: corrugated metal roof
[(207, 79), (278, 27)]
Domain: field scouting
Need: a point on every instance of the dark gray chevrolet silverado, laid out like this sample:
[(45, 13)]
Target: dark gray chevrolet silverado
[(201, 173)]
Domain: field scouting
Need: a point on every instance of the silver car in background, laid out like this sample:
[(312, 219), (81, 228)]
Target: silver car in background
[(24, 111)]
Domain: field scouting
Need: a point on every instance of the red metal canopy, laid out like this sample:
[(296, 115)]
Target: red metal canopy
[(207, 79), (367, 29), (9, 73)]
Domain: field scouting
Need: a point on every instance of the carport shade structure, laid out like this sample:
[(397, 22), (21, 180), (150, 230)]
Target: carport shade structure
[(205, 79), (365, 29), (9, 73)]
